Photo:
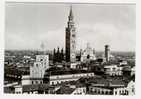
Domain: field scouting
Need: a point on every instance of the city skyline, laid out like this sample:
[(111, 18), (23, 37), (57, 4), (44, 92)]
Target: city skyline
[(69, 49), (28, 25)]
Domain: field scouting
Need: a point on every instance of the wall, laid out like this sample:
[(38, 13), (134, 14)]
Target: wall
[(113, 70), (26, 80), (80, 91), (39, 67), (70, 77), (18, 89)]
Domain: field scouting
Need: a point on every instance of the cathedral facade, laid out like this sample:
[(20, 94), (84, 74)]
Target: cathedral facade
[(88, 54), (70, 39)]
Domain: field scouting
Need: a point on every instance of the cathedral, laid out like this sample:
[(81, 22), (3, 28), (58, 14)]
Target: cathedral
[(70, 39), (88, 54)]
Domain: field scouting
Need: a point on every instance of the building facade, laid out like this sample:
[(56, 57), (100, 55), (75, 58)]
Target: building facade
[(88, 54), (58, 79), (113, 70), (37, 71), (39, 67), (79, 91), (58, 56), (129, 90), (71, 39)]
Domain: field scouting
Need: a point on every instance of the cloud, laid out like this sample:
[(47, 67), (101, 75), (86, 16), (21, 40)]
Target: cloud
[(30, 24), (101, 34)]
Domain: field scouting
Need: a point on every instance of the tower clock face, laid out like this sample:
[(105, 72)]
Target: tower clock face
[(73, 55)]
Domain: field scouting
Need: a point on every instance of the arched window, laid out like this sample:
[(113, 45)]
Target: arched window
[(73, 35), (52, 83), (115, 92), (88, 56), (36, 65), (41, 59)]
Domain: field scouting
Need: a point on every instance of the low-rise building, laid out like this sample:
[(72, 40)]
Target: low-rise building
[(128, 90), (32, 89), (27, 80), (57, 79), (113, 70), (72, 87), (18, 89), (79, 90), (65, 90), (126, 71), (60, 75), (111, 86), (123, 62)]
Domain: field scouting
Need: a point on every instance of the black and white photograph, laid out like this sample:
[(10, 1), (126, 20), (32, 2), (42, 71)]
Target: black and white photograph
[(70, 48)]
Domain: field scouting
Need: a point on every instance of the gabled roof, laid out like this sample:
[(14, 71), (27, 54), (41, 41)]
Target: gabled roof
[(64, 71), (35, 87), (108, 82), (65, 90)]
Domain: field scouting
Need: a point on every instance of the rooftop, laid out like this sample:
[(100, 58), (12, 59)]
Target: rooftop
[(65, 90), (108, 81), (64, 71), (35, 87)]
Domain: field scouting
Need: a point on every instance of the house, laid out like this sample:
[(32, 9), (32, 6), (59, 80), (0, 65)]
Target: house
[(113, 70), (59, 75), (111, 86)]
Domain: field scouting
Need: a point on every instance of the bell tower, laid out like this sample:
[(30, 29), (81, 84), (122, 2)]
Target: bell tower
[(70, 38)]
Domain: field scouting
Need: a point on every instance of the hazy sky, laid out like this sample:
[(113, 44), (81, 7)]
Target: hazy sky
[(29, 24)]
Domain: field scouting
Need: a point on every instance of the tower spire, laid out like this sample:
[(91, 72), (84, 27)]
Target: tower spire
[(71, 13)]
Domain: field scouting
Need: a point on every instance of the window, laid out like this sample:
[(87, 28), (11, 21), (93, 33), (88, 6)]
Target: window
[(88, 56), (73, 35), (36, 65), (52, 83), (73, 46), (102, 92), (127, 92), (41, 59), (84, 90), (57, 82), (114, 69), (106, 93), (132, 89), (120, 92), (115, 92)]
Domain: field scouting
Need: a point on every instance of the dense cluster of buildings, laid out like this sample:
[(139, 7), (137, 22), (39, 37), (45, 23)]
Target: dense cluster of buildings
[(75, 73)]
